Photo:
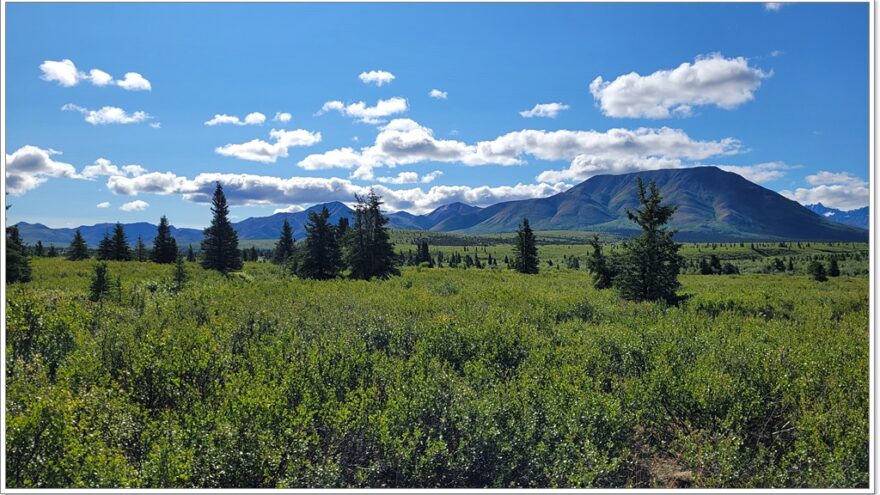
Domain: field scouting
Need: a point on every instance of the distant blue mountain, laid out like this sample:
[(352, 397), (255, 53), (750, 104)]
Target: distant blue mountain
[(857, 218), (711, 205)]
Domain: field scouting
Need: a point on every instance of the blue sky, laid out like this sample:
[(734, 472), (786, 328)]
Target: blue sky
[(779, 95)]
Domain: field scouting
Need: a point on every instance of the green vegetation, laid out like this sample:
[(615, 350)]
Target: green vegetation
[(220, 244), (440, 377), (525, 259), (18, 268)]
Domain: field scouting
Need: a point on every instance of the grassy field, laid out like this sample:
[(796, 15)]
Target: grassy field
[(439, 378)]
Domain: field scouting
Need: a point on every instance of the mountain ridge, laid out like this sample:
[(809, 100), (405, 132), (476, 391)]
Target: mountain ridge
[(712, 205)]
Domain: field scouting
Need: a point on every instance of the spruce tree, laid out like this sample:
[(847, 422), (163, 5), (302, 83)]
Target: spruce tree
[(342, 228), (652, 262), (164, 245), (120, 250), (38, 249), (100, 285), (817, 270), (190, 254), (321, 258), (180, 275), (370, 253), (598, 266), (105, 248), (78, 249), (220, 243), (18, 268), (526, 250), (833, 268), (285, 245), (140, 250), (53, 251)]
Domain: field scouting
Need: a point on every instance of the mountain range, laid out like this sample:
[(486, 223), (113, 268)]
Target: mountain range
[(859, 217), (712, 205)]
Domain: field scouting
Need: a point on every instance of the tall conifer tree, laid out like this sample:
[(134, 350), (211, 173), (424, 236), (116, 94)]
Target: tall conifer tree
[(285, 245), (321, 258), (220, 244), (370, 253), (526, 249), (78, 249), (164, 245)]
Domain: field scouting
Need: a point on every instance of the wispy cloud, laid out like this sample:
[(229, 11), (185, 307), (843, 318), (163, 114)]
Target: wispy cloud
[(366, 114), (108, 115), (438, 95), (136, 205), (377, 77), (549, 110), (253, 118), (261, 151)]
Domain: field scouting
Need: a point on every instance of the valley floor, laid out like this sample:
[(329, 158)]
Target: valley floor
[(437, 378)]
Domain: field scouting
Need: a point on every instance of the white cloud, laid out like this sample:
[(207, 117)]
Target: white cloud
[(711, 80), (282, 117), (550, 110), (585, 166), (289, 209), (377, 77), (404, 142), (108, 115), (105, 204), (136, 205), (134, 82), (402, 178), (365, 114), (261, 151), (247, 189), (437, 94), (431, 177), (840, 190), (773, 6), (100, 78), (30, 166), (156, 125), (253, 118), (65, 73), (103, 167), (760, 173)]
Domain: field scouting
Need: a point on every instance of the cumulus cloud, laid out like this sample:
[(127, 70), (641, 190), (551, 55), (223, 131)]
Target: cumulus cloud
[(105, 204), (289, 209), (365, 114), (711, 80), (437, 94), (431, 177), (261, 151), (253, 118), (136, 205), (405, 142), (282, 117), (248, 189), (30, 166), (585, 166), (134, 82), (65, 73), (402, 178), (760, 173), (108, 115), (103, 167), (840, 190), (550, 110), (377, 77)]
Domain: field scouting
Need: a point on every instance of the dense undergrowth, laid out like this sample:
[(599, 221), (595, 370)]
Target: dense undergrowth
[(438, 378)]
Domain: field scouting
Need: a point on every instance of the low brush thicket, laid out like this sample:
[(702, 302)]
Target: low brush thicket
[(437, 378)]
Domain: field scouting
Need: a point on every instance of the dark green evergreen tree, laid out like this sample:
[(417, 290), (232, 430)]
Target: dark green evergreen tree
[(705, 268), (78, 249), (120, 249), (369, 251), (817, 270), (220, 243), (342, 229), (285, 245), (598, 266), (164, 244), (321, 258), (18, 267), (100, 285), (140, 250), (652, 263), (53, 251), (423, 253), (180, 275), (105, 248), (526, 250), (833, 268), (38, 249)]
